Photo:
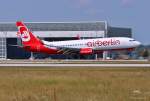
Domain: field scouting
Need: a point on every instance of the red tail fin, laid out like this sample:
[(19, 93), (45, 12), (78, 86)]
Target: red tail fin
[(26, 36)]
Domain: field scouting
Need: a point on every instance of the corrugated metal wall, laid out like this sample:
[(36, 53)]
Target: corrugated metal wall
[(119, 32)]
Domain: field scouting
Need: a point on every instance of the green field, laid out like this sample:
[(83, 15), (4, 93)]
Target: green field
[(74, 84)]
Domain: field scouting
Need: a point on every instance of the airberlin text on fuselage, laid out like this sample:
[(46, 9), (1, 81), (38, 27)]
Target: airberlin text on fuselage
[(110, 42)]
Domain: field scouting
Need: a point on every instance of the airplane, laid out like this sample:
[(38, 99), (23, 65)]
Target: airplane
[(81, 46)]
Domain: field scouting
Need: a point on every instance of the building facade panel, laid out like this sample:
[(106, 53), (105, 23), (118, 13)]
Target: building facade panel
[(3, 48)]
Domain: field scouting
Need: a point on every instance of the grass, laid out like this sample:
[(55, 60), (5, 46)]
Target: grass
[(74, 84)]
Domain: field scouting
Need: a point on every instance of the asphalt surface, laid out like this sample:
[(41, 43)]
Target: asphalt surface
[(72, 65)]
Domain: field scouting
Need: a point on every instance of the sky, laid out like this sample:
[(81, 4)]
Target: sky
[(118, 13)]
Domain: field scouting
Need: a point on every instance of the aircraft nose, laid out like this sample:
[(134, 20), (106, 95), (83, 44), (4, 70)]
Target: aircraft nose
[(138, 43)]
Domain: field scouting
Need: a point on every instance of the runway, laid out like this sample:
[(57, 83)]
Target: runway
[(72, 65)]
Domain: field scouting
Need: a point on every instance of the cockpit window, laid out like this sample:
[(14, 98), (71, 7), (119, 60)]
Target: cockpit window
[(132, 40)]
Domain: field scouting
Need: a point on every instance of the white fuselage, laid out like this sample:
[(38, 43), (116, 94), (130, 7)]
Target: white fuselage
[(96, 44)]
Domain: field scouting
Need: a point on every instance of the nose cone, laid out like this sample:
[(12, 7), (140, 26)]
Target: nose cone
[(137, 43)]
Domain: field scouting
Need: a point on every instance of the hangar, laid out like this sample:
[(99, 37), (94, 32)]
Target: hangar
[(54, 31)]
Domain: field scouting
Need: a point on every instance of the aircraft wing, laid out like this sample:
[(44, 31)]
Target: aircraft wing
[(68, 50), (64, 50)]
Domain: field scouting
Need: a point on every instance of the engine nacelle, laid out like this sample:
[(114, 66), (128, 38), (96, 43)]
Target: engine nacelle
[(86, 51)]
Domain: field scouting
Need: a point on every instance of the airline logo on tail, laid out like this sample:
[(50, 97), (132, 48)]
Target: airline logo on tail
[(23, 32), (25, 36)]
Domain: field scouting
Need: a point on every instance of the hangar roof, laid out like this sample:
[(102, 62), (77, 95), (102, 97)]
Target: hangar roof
[(67, 29), (57, 26)]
